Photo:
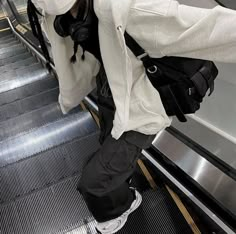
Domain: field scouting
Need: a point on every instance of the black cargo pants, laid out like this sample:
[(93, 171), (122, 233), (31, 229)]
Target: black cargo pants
[(105, 179)]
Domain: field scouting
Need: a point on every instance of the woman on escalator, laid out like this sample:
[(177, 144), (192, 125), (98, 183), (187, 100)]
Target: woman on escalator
[(88, 48)]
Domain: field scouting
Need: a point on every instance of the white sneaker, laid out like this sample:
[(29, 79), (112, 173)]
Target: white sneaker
[(116, 224)]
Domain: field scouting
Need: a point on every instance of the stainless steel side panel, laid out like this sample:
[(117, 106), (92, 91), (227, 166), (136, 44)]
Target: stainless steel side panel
[(212, 141), (209, 177)]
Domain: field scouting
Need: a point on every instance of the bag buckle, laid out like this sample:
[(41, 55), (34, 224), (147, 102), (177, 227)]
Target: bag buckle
[(153, 69)]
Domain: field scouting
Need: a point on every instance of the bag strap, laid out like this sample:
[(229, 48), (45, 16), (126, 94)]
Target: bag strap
[(141, 54), (138, 51)]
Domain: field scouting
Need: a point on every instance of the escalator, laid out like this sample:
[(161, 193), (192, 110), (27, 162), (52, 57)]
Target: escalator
[(43, 152)]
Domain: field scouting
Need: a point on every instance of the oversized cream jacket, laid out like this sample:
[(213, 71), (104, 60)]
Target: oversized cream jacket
[(162, 27)]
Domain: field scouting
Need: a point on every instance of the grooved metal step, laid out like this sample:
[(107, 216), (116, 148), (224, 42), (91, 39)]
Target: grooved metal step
[(3, 24), (10, 49), (46, 211), (15, 59), (32, 120), (24, 79), (19, 65), (11, 53), (31, 72), (25, 89), (46, 137), (22, 106), (8, 44), (61, 209), (7, 38), (5, 33), (158, 214), (46, 168), (10, 40)]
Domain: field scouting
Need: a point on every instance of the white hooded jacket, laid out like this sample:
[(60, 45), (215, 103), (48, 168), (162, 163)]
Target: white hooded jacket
[(161, 27)]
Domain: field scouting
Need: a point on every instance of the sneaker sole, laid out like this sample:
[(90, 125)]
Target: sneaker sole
[(134, 206)]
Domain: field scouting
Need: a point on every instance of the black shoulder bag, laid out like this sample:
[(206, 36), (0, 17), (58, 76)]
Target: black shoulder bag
[(181, 82)]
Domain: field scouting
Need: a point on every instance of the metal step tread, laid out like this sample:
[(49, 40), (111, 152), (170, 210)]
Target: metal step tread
[(13, 53), (28, 61), (5, 34), (46, 137), (46, 211), (24, 71), (4, 24), (28, 104), (46, 168), (7, 38), (20, 77), (10, 40), (16, 90), (61, 209), (32, 120), (8, 44), (10, 49), (15, 59), (20, 81)]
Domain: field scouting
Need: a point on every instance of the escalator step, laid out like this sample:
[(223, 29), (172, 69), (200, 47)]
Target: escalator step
[(46, 211), (8, 44), (6, 39), (40, 75), (60, 209), (3, 23), (31, 120), (18, 65), (32, 72), (5, 33), (10, 49), (15, 59), (46, 137), (10, 40), (29, 89), (158, 214), (46, 168), (23, 106), (11, 53), (24, 71)]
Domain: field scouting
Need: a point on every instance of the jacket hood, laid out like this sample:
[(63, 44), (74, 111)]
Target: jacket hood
[(55, 7)]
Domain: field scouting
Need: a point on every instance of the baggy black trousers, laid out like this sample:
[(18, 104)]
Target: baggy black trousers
[(105, 179)]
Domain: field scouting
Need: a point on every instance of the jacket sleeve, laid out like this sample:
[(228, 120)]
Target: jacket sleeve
[(189, 31), (75, 80)]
